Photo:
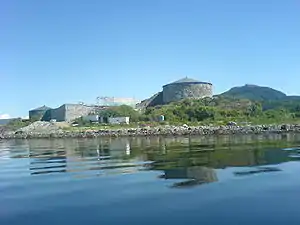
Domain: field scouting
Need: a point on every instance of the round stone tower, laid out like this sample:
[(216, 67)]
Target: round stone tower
[(186, 88)]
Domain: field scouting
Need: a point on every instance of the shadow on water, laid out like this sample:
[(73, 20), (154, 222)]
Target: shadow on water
[(189, 161)]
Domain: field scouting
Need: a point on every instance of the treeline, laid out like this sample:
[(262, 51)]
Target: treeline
[(211, 110)]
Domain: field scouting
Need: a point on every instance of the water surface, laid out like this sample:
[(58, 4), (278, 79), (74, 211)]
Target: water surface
[(198, 180)]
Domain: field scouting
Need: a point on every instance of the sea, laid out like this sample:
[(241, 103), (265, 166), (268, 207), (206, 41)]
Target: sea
[(238, 179)]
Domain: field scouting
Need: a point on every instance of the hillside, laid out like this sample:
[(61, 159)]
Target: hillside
[(207, 109), (255, 92), (268, 97)]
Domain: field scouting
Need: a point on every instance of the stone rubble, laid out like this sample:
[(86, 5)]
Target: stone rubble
[(40, 127), (50, 130)]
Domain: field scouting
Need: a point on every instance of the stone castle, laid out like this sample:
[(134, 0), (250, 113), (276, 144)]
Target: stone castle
[(182, 89)]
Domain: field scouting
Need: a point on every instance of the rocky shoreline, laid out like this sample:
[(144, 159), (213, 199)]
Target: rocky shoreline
[(43, 130)]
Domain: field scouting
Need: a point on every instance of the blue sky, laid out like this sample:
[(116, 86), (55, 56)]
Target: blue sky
[(59, 51)]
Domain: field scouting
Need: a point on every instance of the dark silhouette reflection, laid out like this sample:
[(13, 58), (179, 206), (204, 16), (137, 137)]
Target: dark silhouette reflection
[(257, 170), (48, 172), (49, 161), (46, 156), (195, 176)]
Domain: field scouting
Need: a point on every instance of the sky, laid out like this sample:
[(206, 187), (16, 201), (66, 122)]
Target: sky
[(67, 51)]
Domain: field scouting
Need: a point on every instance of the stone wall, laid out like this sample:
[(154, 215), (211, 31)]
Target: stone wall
[(47, 115), (70, 112), (177, 92), (158, 100), (58, 114), (74, 111)]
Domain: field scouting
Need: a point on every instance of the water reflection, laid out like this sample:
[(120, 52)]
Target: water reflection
[(105, 155), (195, 175), (186, 161)]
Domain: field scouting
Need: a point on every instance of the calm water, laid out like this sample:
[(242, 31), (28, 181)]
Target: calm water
[(227, 180)]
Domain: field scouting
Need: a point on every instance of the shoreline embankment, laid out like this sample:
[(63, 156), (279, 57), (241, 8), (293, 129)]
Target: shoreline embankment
[(48, 130)]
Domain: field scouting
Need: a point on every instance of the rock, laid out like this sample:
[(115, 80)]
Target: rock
[(285, 127), (231, 123)]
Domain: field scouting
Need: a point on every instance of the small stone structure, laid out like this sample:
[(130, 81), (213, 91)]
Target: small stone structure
[(186, 88)]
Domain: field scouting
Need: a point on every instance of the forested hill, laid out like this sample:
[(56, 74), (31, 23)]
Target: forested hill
[(255, 92), (268, 97)]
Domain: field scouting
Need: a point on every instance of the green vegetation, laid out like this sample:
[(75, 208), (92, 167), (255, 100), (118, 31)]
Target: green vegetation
[(18, 123), (120, 111), (217, 111), (268, 97), (221, 110)]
